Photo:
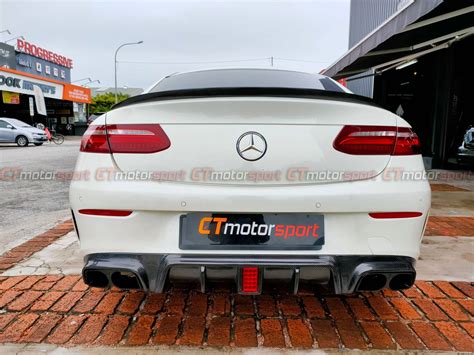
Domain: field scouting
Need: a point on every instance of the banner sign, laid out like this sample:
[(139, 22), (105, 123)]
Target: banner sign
[(7, 56), (10, 97), (25, 85), (15, 81)]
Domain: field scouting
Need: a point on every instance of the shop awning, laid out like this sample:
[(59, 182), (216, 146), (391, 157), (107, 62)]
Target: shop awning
[(418, 28)]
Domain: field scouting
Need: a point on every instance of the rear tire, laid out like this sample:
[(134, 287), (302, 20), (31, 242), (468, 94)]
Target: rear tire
[(21, 141), (38, 144)]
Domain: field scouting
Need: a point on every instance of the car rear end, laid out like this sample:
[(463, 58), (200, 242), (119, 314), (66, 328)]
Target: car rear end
[(253, 184)]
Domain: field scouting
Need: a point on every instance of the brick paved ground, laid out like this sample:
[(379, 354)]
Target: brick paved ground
[(62, 310)]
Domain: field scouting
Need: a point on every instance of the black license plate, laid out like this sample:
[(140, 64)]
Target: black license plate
[(267, 231)]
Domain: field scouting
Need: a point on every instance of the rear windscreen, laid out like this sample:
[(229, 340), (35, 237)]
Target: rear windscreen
[(246, 78)]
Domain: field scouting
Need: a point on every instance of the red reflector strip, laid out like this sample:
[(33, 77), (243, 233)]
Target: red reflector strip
[(381, 215), (110, 213), (250, 279)]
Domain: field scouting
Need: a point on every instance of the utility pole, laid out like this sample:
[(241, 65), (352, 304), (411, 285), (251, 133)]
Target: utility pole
[(271, 61)]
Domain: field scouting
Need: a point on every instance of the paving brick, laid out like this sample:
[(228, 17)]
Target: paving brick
[(193, 331), (468, 305), (14, 330), (448, 289), (66, 303), (289, 306), (220, 304), (452, 309), (8, 296), (430, 336), (243, 305), (337, 308), (377, 335), (325, 334), (245, 332), (27, 283), (141, 330), (5, 319), (88, 302), (41, 328), (109, 303), (465, 287), (66, 283), (90, 330), (406, 310), (300, 335), (384, 310), (412, 292), (460, 340), (469, 328), (403, 336), (46, 283), (272, 333), (313, 307), (80, 286), (360, 309), (219, 332), (167, 330), (197, 304), (24, 301), (154, 303), (350, 335), (66, 329), (10, 282), (114, 330), (176, 304), (429, 290), (431, 311), (266, 306)]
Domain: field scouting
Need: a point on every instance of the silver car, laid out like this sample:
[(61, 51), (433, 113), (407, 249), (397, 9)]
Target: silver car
[(21, 133)]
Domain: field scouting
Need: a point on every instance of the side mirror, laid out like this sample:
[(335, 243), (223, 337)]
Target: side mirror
[(10, 126)]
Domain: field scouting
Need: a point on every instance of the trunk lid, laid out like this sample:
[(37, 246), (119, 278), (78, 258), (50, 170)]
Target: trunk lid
[(206, 135)]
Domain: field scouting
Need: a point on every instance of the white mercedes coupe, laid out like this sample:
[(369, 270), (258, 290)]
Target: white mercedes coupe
[(253, 176)]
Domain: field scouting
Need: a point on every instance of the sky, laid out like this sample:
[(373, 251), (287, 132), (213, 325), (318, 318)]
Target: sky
[(177, 34)]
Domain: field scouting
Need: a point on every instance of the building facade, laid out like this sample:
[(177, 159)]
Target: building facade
[(28, 66)]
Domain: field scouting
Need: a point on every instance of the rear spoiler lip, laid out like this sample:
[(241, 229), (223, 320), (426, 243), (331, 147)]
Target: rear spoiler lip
[(245, 92)]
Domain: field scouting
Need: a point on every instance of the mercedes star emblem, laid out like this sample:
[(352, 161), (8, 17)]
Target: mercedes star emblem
[(251, 146)]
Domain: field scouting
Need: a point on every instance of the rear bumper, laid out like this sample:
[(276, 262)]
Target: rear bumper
[(340, 274)]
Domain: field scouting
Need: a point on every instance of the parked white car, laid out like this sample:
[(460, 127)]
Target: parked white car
[(252, 175), (21, 133)]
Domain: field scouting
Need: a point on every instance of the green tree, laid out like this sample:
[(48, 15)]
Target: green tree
[(104, 102)]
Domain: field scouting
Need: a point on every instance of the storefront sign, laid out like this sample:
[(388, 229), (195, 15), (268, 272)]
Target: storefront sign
[(10, 97), (77, 93), (37, 66), (36, 51), (7, 56), (24, 85)]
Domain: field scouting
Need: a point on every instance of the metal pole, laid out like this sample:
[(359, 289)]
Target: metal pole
[(115, 65)]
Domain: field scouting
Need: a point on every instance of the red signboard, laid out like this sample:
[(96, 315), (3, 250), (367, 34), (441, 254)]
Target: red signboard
[(42, 53)]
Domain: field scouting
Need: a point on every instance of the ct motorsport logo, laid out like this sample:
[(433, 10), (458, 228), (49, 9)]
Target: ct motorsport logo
[(222, 226)]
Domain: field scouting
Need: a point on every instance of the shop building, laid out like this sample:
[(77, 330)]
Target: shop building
[(29, 66), (414, 58)]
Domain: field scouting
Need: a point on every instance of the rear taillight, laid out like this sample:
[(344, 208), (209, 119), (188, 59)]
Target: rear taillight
[(377, 140), (125, 138), (94, 140)]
